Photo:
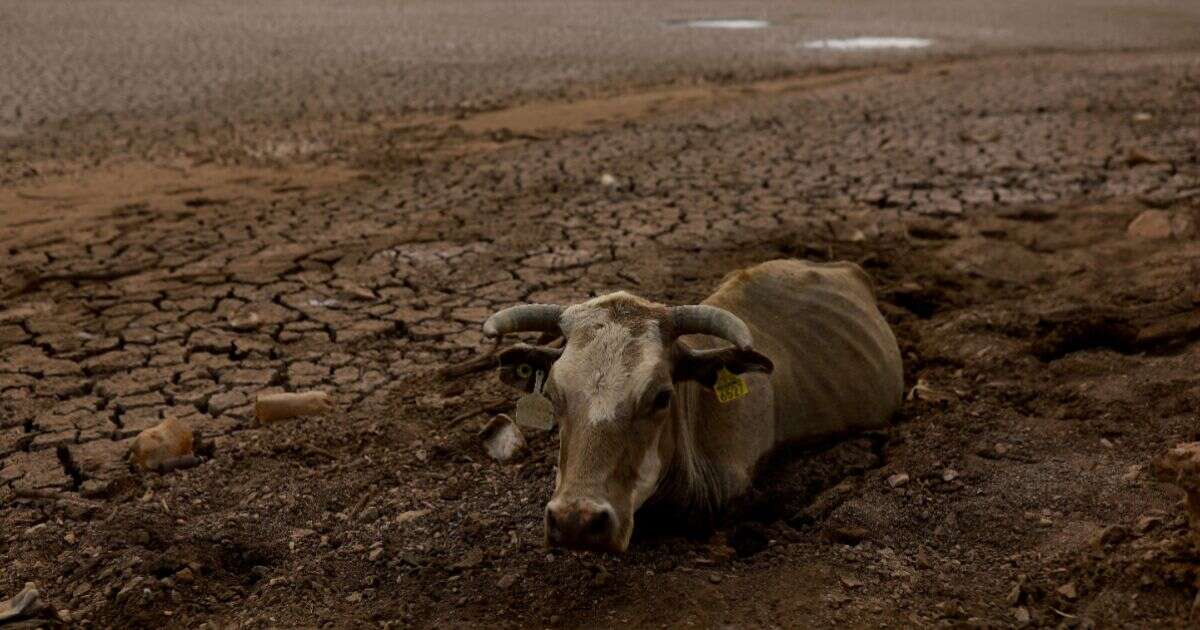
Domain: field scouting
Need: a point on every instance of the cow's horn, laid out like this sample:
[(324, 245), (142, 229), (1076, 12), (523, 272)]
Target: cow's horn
[(710, 320), (524, 317)]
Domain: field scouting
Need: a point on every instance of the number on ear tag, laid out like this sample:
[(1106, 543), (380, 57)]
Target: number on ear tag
[(729, 386)]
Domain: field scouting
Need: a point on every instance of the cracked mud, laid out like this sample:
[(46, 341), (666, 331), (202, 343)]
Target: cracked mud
[(990, 199)]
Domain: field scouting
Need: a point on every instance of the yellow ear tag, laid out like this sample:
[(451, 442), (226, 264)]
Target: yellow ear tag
[(730, 386)]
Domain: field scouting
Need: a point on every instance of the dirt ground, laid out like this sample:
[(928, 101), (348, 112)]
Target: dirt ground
[(1030, 220)]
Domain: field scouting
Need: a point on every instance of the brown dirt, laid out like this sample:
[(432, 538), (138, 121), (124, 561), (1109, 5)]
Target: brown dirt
[(1052, 356)]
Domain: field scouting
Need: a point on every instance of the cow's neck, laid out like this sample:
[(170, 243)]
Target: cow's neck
[(691, 478)]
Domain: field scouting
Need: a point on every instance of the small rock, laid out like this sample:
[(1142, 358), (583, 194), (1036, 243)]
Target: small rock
[(354, 598), (369, 515), (1106, 443), (469, 561), (720, 551), (409, 516), (375, 554), (602, 578), (949, 475), (849, 581), (715, 578), (1015, 594), (609, 180), (128, 590), (1181, 466), (158, 447), (1111, 535), (272, 407), (185, 576), (897, 480), (21, 603), (1021, 615), (507, 580), (1142, 117), (1146, 523), (244, 322), (1150, 224), (502, 439), (1068, 591), (1132, 473), (924, 391), (78, 510), (847, 534), (1137, 156)]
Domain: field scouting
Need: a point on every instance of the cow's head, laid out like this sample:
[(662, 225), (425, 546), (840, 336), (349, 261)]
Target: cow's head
[(612, 385)]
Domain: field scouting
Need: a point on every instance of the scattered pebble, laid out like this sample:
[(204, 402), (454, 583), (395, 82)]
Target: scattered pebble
[(1147, 522), (1138, 156), (185, 576), (272, 407), (897, 480), (158, 447), (1015, 594), (471, 560), (245, 322), (848, 534), (1151, 225), (502, 439), (1110, 535), (949, 475), (1181, 466), (19, 604), (411, 515), (1068, 590)]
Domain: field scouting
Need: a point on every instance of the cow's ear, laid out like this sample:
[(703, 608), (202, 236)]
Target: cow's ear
[(520, 364), (703, 366)]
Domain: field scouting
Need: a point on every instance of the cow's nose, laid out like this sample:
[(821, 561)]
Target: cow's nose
[(579, 524)]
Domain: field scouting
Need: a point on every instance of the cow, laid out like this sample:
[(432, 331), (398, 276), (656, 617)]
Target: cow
[(634, 388)]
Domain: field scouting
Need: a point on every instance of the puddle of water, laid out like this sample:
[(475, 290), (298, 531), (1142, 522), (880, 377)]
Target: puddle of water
[(869, 43), (733, 23)]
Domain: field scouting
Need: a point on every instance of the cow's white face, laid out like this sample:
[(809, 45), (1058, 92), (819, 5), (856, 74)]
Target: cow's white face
[(612, 386)]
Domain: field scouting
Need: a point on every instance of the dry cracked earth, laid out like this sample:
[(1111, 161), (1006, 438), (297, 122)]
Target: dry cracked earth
[(1052, 352)]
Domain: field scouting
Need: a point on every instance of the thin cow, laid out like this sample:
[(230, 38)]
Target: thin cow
[(634, 388)]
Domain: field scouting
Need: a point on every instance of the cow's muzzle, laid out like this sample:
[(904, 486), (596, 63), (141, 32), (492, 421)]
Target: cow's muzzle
[(581, 524)]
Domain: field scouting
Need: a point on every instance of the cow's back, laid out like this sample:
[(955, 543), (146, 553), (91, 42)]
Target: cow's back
[(837, 365)]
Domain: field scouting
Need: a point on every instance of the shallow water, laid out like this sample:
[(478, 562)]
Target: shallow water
[(732, 23), (869, 43)]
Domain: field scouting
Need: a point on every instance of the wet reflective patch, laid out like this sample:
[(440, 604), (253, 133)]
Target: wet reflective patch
[(731, 23), (869, 43)]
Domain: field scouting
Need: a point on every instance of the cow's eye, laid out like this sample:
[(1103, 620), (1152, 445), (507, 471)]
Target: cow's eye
[(662, 399)]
